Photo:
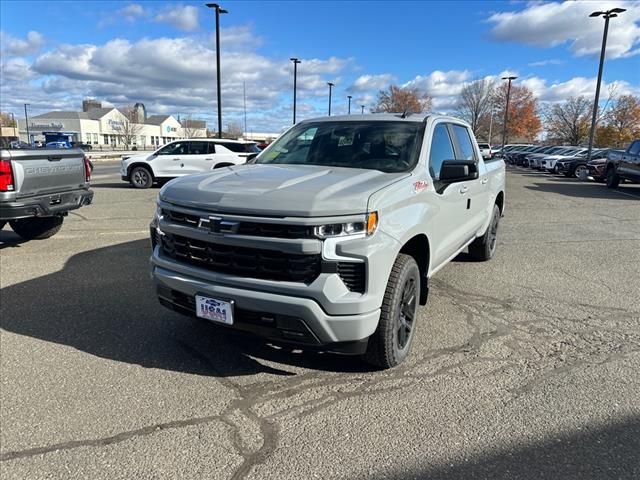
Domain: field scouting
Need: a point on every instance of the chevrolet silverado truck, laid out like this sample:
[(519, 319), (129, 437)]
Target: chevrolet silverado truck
[(329, 238), (38, 187), (623, 165)]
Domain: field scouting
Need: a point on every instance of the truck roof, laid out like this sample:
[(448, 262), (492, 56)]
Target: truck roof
[(395, 117)]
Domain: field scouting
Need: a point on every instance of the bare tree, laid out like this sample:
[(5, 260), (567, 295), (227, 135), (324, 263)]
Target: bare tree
[(569, 121), (475, 102), (234, 130), (192, 128), (399, 99), (128, 129)]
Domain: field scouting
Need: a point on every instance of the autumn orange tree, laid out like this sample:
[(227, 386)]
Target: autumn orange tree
[(402, 99), (621, 124), (524, 121)]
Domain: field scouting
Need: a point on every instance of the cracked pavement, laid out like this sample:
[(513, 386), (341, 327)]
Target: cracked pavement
[(523, 367)]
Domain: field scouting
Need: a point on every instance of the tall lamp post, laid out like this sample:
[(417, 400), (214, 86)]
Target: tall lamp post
[(506, 111), (362, 109), (607, 15), (331, 85), (218, 10), (295, 85), (349, 109), (26, 121)]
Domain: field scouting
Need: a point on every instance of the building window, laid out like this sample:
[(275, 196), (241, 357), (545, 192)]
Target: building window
[(106, 139), (95, 138)]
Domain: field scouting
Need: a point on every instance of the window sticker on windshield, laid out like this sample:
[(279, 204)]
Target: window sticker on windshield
[(346, 141)]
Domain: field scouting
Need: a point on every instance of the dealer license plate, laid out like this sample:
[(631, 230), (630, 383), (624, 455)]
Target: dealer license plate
[(215, 310)]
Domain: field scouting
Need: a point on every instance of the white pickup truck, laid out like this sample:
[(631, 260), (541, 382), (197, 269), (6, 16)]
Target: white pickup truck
[(328, 239)]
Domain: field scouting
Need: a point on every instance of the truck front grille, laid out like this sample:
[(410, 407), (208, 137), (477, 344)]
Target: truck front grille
[(242, 261), (252, 229)]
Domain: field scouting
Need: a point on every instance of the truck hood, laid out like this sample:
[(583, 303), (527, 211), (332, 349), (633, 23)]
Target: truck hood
[(280, 190)]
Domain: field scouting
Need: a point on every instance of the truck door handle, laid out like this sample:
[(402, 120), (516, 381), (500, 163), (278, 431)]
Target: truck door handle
[(176, 159), (208, 159), (464, 189), (484, 180)]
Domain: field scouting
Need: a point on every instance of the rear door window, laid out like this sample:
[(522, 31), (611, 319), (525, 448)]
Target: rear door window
[(198, 148)]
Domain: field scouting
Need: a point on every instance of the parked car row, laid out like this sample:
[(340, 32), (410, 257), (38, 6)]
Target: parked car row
[(604, 165)]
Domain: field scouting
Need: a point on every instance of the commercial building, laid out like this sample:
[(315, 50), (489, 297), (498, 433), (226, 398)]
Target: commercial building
[(108, 127)]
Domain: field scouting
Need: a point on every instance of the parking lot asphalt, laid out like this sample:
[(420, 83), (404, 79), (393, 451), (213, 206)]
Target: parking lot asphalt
[(526, 366)]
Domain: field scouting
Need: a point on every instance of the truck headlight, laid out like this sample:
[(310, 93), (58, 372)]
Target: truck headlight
[(367, 226)]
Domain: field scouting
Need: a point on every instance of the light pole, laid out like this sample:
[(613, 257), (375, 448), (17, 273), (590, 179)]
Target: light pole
[(295, 84), (26, 121), (330, 87), (218, 10), (506, 112), (349, 109), (607, 15), (362, 109)]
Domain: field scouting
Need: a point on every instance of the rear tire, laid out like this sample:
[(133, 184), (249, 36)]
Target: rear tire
[(484, 247), (37, 228), (613, 180), (391, 342), (141, 177)]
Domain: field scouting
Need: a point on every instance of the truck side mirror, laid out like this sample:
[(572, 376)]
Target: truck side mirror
[(453, 171)]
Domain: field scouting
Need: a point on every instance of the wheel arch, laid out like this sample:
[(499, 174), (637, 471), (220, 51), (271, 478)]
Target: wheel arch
[(140, 164), (418, 247), (222, 165), (500, 201)]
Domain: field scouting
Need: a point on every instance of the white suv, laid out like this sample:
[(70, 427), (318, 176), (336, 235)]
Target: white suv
[(485, 150), (185, 157)]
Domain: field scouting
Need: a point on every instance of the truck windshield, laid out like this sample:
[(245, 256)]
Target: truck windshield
[(375, 145)]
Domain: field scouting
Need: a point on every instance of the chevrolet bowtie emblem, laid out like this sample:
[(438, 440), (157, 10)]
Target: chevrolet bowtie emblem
[(218, 225)]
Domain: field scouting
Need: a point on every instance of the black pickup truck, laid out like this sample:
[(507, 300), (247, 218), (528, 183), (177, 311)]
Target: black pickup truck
[(623, 165)]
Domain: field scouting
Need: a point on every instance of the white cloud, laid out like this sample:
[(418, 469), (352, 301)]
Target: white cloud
[(132, 11), (444, 87), (365, 83), (544, 63), (574, 87), (552, 24), (174, 75), (12, 46), (182, 17)]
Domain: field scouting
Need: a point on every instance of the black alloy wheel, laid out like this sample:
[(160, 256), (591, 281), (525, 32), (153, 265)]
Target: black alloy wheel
[(407, 313)]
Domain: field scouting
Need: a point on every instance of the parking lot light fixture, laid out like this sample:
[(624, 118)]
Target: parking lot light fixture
[(362, 109), (218, 10), (349, 108), (331, 85), (295, 84), (594, 114), (26, 121), (506, 111)]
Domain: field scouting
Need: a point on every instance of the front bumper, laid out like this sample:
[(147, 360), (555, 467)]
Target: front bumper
[(281, 318), (45, 205)]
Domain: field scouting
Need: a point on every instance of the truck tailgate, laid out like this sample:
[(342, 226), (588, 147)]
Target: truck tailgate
[(41, 171)]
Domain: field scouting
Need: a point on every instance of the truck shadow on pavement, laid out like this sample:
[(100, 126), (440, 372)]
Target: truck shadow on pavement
[(102, 302), (594, 453)]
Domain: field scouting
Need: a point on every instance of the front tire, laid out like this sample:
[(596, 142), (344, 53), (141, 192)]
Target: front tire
[(141, 177), (37, 228), (613, 180), (484, 247), (391, 342)]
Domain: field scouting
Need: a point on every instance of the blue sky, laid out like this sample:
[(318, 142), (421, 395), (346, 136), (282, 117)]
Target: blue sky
[(162, 53)]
